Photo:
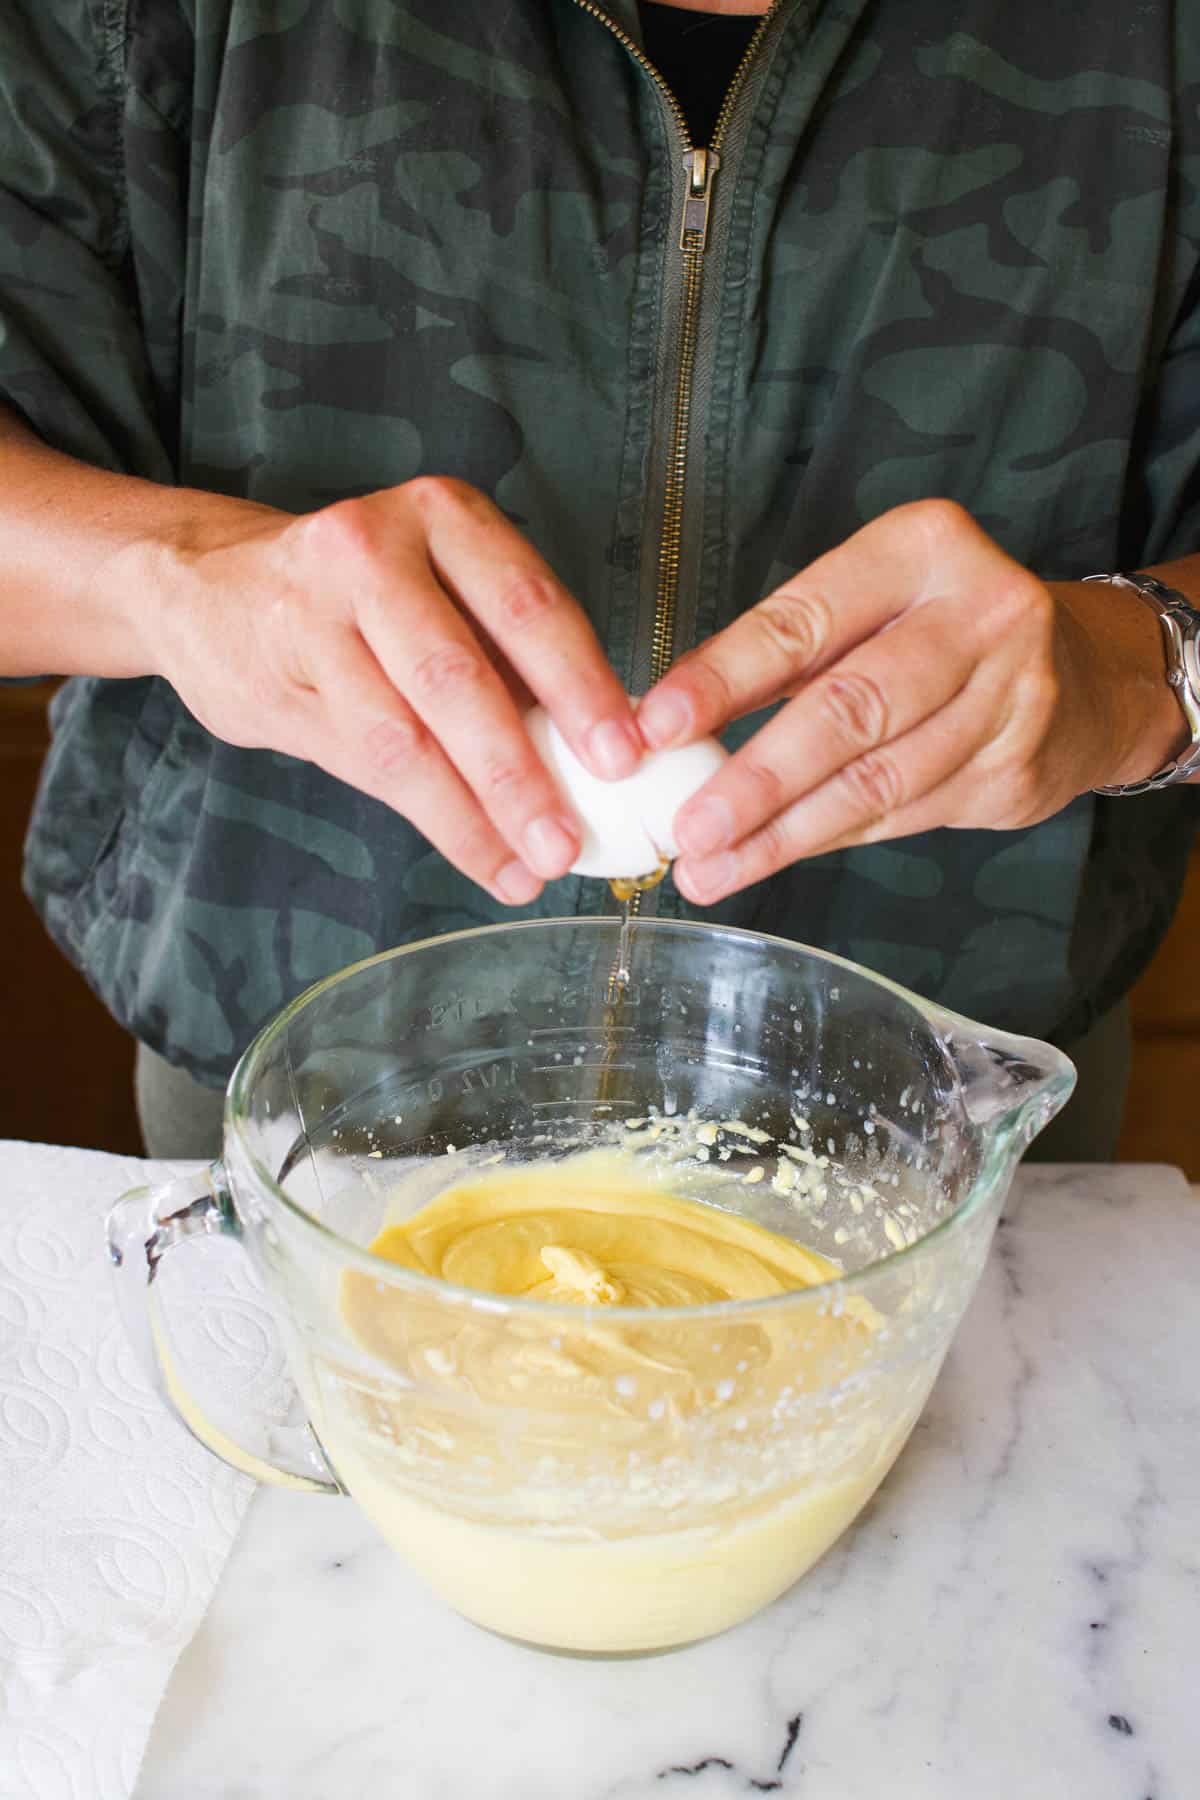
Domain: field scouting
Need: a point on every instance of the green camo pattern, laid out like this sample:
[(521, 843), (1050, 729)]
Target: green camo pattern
[(300, 249)]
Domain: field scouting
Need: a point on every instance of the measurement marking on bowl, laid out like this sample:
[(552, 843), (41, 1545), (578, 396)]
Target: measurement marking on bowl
[(558, 1068), (487, 1075), (540, 1106), (573, 1031)]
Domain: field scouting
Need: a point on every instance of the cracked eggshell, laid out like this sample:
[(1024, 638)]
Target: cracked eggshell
[(627, 825)]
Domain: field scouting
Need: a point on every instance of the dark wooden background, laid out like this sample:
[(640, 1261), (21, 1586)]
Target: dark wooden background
[(66, 1068)]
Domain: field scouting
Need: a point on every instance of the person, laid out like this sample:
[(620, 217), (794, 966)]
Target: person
[(369, 370)]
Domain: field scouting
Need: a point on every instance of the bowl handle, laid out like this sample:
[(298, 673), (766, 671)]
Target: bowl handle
[(143, 1226)]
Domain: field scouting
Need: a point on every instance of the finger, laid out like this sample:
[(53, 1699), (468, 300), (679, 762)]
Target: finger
[(363, 732), (889, 792), (437, 664), (878, 692), (516, 688), (433, 659), (498, 577), (905, 557)]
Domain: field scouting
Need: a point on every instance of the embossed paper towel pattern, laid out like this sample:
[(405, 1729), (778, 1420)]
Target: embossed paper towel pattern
[(116, 1523)]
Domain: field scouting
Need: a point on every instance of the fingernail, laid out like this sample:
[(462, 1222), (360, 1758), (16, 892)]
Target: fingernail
[(517, 884), (614, 748), (663, 717), (704, 826), (708, 879), (550, 846)]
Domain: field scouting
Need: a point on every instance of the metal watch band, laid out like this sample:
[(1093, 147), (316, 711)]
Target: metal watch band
[(1180, 623)]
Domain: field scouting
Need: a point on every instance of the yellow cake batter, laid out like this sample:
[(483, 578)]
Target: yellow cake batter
[(474, 1467), (591, 1231)]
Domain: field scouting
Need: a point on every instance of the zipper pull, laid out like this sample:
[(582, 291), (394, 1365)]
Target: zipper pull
[(701, 166)]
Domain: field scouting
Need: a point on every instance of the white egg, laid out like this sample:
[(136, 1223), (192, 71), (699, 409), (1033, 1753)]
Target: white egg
[(627, 825)]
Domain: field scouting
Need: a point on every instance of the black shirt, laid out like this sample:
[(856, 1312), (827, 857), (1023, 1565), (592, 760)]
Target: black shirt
[(697, 54)]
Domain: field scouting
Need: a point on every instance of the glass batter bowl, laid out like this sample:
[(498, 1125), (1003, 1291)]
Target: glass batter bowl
[(600, 1479)]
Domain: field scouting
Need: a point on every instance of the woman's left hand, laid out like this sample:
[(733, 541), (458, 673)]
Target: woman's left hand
[(930, 681)]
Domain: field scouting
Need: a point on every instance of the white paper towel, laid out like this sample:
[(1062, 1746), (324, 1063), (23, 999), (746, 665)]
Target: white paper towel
[(115, 1523)]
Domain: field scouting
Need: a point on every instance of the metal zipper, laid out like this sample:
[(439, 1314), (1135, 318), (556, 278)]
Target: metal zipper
[(701, 165)]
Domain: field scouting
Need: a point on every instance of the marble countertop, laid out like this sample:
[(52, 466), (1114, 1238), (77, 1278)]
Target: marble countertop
[(1016, 1616)]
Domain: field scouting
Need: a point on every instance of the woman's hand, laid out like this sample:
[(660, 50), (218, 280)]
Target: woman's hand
[(392, 640), (930, 681)]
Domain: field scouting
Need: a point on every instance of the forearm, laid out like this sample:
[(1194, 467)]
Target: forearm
[(1148, 725), (81, 569)]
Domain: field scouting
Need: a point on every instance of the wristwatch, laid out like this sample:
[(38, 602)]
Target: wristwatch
[(1180, 623)]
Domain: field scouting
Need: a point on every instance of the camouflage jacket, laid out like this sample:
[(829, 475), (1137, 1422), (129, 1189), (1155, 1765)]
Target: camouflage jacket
[(299, 249)]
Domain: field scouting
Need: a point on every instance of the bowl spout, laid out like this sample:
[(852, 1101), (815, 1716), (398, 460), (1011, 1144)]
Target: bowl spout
[(1011, 1086)]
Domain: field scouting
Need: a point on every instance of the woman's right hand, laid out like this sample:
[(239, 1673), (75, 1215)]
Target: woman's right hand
[(392, 640)]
